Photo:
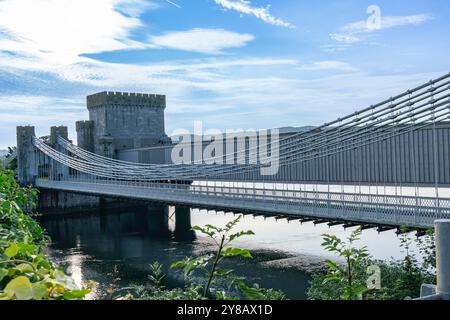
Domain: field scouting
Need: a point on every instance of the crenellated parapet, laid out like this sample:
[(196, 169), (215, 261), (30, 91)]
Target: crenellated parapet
[(56, 132), (84, 125), (109, 98)]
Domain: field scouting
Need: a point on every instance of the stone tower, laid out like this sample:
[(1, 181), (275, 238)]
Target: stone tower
[(85, 135), (121, 120)]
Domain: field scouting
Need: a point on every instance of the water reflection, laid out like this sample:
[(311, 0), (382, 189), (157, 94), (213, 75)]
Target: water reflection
[(89, 245)]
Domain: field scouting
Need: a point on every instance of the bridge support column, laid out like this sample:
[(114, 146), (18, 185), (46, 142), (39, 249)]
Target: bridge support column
[(158, 219), (26, 156), (442, 229), (183, 224), (60, 171)]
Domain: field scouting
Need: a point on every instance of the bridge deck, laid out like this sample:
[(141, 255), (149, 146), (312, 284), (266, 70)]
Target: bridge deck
[(408, 211)]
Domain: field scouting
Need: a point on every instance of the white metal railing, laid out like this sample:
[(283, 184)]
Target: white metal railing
[(391, 210)]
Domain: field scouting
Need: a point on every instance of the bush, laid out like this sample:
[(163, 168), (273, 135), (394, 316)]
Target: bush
[(25, 272), (399, 279)]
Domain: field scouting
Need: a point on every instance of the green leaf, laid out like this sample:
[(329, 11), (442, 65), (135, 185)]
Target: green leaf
[(241, 234), (76, 294), (27, 248), (178, 264), (63, 280), (235, 252), (204, 231), (24, 267), (20, 288), (12, 251), (39, 291), (3, 273), (332, 265)]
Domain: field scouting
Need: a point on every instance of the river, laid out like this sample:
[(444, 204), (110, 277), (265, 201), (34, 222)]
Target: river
[(91, 245)]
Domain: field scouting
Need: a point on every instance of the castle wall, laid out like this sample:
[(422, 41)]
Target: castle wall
[(126, 121)]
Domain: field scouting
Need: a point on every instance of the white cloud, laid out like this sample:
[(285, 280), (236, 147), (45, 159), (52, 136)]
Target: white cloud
[(58, 31), (174, 4), (46, 43), (245, 7), (328, 65), (55, 33), (355, 32), (238, 93), (134, 8), (344, 38), (201, 40)]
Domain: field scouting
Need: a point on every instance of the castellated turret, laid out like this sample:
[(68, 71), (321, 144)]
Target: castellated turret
[(85, 135), (120, 121)]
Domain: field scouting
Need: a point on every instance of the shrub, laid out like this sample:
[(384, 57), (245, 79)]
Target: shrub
[(25, 272)]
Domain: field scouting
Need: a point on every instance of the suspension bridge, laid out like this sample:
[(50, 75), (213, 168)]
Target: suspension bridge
[(386, 165)]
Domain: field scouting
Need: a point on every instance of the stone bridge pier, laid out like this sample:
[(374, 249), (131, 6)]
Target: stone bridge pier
[(183, 225)]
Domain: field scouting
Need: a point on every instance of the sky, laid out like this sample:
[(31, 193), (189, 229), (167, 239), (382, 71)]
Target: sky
[(233, 64)]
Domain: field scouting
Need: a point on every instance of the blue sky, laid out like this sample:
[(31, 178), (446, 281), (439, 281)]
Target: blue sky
[(230, 63)]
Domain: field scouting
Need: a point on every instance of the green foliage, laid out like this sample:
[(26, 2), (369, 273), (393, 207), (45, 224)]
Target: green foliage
[(353, 287), (25, 272), (114, 285), (209, 264), (427, 248), (156, 276), (403, 279), (399, 279), (204, 276)]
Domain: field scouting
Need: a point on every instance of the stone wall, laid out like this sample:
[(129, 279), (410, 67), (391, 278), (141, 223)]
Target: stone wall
[(85, 135), (124, 121), (26, 156), (54, 201)]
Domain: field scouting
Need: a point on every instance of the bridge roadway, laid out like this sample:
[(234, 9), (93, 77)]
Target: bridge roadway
[(364, 209)]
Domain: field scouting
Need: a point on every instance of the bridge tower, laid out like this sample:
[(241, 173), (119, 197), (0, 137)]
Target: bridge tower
[(85, 135), (26, 156), (59, 170)]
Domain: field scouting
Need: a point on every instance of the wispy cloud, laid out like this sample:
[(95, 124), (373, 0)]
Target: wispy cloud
[(45, 74), (174, 4), (211, 41), (357, 31), (59, 31), (328, 65), (246, 7)]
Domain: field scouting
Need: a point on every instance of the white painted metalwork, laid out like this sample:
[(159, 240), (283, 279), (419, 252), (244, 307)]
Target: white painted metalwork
[(386, 210), (240, 186)]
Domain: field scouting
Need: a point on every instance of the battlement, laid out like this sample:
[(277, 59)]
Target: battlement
[(82, 125), (108, 98)]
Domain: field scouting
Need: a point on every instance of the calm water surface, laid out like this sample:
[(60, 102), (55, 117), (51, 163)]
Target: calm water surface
[(91, 245)]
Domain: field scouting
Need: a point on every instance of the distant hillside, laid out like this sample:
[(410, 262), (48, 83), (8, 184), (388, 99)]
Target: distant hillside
[(3, 153), (283, 130)]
